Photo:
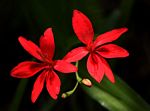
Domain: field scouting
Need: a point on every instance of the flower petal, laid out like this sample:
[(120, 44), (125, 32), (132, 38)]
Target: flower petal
[(109, 36), (53, 84), (82, 27), (47, 44), (95, 67), (30, 47), (64, 67), (76, 54), (112, 51), (107, 70), (38, 86), (26, 69)]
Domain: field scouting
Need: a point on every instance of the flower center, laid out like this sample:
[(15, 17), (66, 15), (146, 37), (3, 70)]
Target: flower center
[(49, 63), (89, 49)]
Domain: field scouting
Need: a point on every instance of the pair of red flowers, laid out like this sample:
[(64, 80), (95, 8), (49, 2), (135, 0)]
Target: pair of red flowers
[(96, 64)]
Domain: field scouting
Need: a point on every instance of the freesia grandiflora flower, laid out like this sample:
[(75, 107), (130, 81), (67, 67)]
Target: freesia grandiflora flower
[(45, 54), (98, 50)]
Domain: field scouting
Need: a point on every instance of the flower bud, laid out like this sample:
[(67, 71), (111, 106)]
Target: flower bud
[(86, 82), (64, 95)]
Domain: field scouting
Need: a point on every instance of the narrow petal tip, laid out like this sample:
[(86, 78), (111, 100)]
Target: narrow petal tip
[(75, 11), (127, 54), (20, 38), (113, 81), (48, 30), (124, 29), (111, 78), (32, 100)]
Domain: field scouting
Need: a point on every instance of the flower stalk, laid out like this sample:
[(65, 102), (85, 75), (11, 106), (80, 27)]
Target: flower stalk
[(80, 80), (68, 93)]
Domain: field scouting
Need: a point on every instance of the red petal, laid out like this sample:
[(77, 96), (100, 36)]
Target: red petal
[(112, 51), (53, 84), (64, 67), (107, 70), (95, 68), (76, 54), (82, 27), (26, 69), (109, 36), (38, 86), (30, 47), (47, 44)]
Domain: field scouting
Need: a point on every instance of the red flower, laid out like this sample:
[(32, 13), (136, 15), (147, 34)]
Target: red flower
[(96, 64), (45, 54)]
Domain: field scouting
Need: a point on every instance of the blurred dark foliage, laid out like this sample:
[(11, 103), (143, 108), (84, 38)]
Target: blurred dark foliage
[(31, 18)]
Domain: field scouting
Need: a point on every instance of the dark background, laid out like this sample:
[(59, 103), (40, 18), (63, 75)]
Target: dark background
[(30, 19)]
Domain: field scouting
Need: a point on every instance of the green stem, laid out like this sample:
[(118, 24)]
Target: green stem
[(66, 94), (79, 79), (18, 95), (72, 91)]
